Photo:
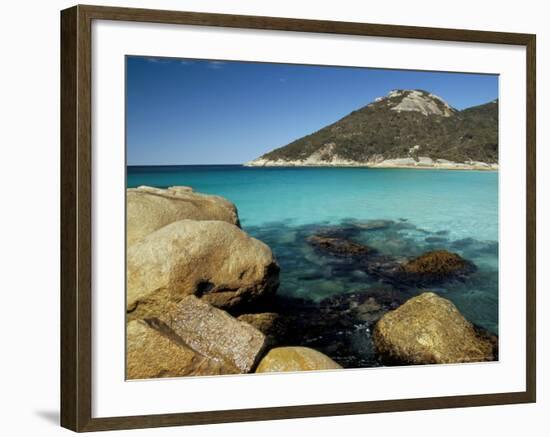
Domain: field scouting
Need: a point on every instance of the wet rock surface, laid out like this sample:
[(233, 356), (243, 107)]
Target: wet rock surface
[(435, 266), (339, 326), (338, 246), (430, 268), (360, 287)]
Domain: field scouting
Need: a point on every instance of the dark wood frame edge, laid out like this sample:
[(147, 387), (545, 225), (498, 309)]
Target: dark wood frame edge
[(76, 166)]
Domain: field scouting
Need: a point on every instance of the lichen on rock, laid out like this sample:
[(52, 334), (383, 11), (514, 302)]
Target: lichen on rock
[(428, 329)]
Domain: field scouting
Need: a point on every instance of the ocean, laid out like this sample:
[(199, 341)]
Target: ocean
[(414, 211)]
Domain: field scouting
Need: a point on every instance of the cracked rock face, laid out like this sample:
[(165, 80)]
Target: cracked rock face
[(214, 260), (425, 103), (213, 333), (150, 354)]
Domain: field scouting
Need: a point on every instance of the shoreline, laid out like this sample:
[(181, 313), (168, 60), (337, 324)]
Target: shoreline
[(469, 167)]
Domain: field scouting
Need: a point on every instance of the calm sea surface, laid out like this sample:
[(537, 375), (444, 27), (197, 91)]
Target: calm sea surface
[(425, 209)]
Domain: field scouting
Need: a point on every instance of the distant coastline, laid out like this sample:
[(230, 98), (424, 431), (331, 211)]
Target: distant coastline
[(405, 163), (388, 164), (405, 129)]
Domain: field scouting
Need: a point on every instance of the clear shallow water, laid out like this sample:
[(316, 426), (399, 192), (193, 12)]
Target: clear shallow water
[(425, 209)]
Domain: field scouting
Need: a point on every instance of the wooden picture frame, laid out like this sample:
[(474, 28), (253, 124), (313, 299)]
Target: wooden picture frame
[(76, 217)]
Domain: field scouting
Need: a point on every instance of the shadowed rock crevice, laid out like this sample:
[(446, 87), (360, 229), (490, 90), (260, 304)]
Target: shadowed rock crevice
[(203, 287)]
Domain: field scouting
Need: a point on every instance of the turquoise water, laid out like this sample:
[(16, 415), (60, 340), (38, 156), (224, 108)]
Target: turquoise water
[(425, 209)]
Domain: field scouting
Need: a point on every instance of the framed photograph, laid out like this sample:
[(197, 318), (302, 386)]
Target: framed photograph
[(268, 218)]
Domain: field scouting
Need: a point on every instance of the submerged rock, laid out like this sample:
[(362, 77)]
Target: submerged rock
[(370, 310), (213, 333), (150, 354), (435, 240), (435, 266), (293, 359), (374, 225), (437, 261), (214, 260), (429, 268), (149, 209), (338, 246), (362, 306), (337, 326), (344, 230), (428, 329)]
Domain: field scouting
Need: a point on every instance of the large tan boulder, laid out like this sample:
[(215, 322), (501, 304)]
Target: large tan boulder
[(213, 333), (150, 354), (295, 358), (428, 329), (214, 260), (149, 209)]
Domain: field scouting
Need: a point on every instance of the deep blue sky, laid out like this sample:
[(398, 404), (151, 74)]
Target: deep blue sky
[(209, 112)]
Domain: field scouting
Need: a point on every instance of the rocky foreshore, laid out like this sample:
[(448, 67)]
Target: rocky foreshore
[(191, 270), (202, 299)]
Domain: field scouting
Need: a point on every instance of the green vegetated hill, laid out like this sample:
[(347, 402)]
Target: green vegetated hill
[(404, 124)]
